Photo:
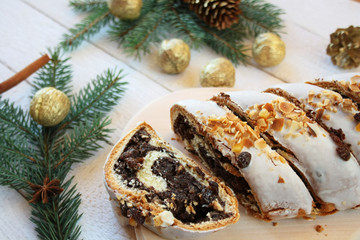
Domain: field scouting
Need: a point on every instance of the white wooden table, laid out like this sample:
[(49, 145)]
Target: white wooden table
[(28, 27)]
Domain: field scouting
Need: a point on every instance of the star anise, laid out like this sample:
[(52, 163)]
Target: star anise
[(47, 190)]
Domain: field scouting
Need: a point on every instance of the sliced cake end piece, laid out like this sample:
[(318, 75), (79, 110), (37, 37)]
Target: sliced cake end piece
[(154, 184), (338, 115), (348, 86), (333, 179), (264, 182)]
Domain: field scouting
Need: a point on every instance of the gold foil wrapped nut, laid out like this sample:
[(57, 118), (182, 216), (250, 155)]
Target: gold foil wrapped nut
[(49, 106), (268, 49), (174, 56), (125, 9), (219, 72)]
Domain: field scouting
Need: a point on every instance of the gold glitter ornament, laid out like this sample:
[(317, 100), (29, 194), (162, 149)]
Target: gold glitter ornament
[(174, 56), (49, 106), (268, 49), (125, 9), (219, 72)]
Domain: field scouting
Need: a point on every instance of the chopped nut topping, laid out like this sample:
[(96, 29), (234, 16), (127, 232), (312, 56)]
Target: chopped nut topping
[(319, 228), (237, 147), (286, 107), (295, 126), (281, 180), (278, 124), (216, 205), (132, 222), (248, 143), (260, 143), (264, 113), (319, 114), (284, 115), (326, 117), (241, 134), (357, 128), (269, 107), (355, 79), (311, 96), (347, 103), (190, 209), (354, 87)]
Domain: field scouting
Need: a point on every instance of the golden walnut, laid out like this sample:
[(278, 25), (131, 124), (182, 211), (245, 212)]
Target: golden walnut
[(174, 55), (125, 9), (219, 72), (49, 106), (268, 50)]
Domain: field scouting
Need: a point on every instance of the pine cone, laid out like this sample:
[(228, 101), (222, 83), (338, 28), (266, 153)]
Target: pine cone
[(216, 13), (344, 47)]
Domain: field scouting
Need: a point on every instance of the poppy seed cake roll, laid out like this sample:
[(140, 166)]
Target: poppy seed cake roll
[(262, 180), (154, 184), (334, 181), (338, 115)]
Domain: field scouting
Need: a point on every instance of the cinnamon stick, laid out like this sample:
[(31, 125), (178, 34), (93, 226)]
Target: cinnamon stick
[(24, 74)]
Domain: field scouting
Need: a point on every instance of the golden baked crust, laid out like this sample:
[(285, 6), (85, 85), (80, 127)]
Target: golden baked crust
[(156, 214), (221, 140)]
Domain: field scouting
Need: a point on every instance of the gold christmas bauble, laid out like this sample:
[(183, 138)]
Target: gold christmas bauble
[(219, 72), (125, 9), (268, 49), (174, 56), (49, 106)]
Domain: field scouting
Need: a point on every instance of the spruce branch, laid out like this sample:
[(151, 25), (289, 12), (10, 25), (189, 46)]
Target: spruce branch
[(186, 26), (57, 73), (86, 135), (13, 119), (12, 178), (56, 219), (35, 160), (138, 34), (99, 96), (16, 168), (15, 150), (87, 5), (161, 18), (87, 28), (258, 17), (219, 41)]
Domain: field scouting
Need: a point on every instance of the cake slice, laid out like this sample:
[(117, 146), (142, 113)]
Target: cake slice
[(153, 184), (347, 86), (338, 115), (263, 181), (332, 177)]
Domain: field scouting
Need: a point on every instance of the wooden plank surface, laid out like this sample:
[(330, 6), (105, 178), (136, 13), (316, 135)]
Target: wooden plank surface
[(28, 27)]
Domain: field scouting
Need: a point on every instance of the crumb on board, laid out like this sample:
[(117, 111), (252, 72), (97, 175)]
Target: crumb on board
[(309, 218), (319, 228), (275, 224)]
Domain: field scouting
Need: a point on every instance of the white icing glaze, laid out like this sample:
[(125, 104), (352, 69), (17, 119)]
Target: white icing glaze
[(332, 179), (263, 173), (340, 118)]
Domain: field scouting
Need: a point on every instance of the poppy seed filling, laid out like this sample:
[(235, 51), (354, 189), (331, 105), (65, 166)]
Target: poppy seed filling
[(188, 199)]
